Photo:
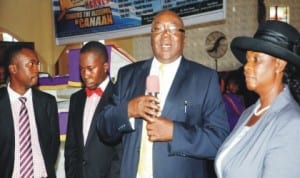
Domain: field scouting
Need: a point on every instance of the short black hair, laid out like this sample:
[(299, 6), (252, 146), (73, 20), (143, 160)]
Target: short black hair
[(11, 52), (97, 47)]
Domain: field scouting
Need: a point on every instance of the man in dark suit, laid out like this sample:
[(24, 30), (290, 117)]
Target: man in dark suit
[(2, 75), (86, 156), (22, 64), (191, 122)]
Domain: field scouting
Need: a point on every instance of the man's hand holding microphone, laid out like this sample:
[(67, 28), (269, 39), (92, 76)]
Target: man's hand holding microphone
[(147, 106)]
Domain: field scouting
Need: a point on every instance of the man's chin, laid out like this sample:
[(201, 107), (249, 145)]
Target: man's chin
[(91, 87), (34, 81)]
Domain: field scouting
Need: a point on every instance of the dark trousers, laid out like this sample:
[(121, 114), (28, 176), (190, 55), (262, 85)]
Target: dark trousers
[(210, 169)]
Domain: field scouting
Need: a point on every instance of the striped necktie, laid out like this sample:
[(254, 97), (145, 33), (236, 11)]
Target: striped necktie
[(26, 157)]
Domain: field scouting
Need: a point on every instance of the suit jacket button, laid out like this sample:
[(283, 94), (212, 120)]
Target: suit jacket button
[(84, 163)]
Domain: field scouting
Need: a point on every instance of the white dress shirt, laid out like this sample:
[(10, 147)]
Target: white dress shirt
[(91, 104), (170, 70), (165, 84), (167, 79)]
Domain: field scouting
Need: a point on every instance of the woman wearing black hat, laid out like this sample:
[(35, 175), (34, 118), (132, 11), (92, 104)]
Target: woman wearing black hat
[(266, 140)]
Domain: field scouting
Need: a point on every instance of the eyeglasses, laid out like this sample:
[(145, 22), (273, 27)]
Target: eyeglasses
[(170, 29)]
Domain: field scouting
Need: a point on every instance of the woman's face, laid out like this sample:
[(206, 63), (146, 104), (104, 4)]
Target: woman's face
[(262, 71)]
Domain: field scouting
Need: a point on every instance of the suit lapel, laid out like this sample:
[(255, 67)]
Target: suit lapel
[(39, 113), (36, 104), (140, 75), (5, 106), (176, 87), (140, 81), (80, 103), (100, 105), (6, 117)]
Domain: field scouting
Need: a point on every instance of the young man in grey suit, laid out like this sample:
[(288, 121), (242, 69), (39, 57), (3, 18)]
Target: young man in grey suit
[(188, 124), (86, 156), (29, 132)]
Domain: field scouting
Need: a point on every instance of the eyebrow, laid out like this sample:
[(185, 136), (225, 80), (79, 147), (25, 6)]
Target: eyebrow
[(181, 30), (168, 23)]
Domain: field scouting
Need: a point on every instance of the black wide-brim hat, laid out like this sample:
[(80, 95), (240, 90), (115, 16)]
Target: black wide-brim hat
[(275, 38)]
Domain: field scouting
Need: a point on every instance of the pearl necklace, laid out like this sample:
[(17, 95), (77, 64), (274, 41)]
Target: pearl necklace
[(258, 113)]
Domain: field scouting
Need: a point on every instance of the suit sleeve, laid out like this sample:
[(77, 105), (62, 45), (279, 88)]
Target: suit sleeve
[(203, 139), (113, 120), (71, 147)]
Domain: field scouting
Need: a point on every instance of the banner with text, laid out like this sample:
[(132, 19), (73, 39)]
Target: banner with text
[(84, 20)]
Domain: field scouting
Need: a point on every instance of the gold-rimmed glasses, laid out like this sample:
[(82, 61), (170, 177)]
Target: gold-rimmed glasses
[(171, 29)]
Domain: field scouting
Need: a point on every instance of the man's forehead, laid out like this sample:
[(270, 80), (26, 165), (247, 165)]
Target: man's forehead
[(167, 18)]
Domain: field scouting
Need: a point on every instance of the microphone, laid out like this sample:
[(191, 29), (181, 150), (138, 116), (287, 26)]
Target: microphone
[(152, 85)]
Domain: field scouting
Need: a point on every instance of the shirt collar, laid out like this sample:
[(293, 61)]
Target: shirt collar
[(104, 84), (170, 66), (15, 96)]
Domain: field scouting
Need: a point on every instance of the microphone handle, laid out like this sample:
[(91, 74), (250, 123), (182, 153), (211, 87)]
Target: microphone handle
[(155, 94)]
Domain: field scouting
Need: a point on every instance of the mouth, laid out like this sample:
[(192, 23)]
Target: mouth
[(249, 78), (88, 84), (35, 77), (166, 47)]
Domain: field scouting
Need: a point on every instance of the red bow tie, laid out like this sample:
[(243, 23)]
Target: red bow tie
[(97, 91)]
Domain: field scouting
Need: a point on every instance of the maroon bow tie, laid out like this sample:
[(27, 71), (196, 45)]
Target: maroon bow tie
[(97, 91)]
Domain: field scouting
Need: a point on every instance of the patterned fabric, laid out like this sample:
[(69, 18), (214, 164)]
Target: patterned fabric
[(26, 157)]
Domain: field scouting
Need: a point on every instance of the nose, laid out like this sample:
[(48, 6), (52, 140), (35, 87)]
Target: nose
[(84, 73), (166, 31), (36, 68), (248, 67)]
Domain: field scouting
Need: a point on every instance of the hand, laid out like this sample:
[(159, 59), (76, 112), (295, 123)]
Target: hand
[(160, 129), (146, 107)]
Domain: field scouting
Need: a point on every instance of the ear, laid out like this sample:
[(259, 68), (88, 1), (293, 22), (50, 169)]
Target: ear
[(106, 66), (184, 38), (12, 68), (280, 65)]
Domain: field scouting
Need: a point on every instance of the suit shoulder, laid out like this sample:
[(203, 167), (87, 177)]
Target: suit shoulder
[(291, 112), (3, 90), (195, 66), (132, 66), (43, 94), (78, 94)]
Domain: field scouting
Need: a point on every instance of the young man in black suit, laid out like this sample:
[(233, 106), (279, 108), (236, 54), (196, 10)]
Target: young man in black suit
[(39, 112), (86, 156)]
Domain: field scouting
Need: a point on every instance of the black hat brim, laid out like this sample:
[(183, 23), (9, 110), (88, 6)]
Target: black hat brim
[(240, 45)]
